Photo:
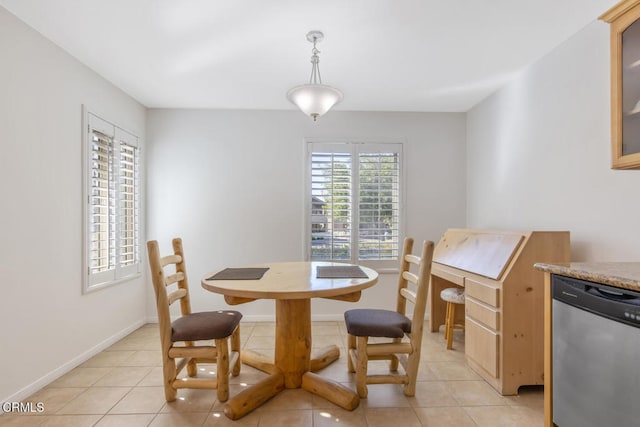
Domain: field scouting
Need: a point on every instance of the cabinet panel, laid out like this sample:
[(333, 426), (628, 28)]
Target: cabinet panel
[(482, 313), (485, 293), (481, 345), (448, 276)]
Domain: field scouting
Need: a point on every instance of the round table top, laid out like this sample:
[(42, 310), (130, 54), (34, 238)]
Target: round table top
[(291, 280)]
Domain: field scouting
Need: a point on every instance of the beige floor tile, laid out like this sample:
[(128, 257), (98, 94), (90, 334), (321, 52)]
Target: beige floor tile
[(124, 386), (339, 417), (532, 396), (385, 417), (10, 420), (140, 400), (248, 375), (297, 418), (453, 371), (55, 398), (191, 400), (153, 379), (80, 377), (323, 328), (256, 342), (289, 399), (134, 344), (123, 377), (444, 417), (337, 371), (95, 400), (505, 416), (144, 358), (70, 420), (322, 341), (385, 396), (108, 359), (127, 420), (471, 393), (218, 419), (264, 330), (432, 393), (179, 419)]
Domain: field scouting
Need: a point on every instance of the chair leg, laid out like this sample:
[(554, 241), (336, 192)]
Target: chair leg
[(192, 367), (361, 368), (169, 373), (222, 365), (351, 345), (450, 321), (413, 364), (393, 364), (235, 346)]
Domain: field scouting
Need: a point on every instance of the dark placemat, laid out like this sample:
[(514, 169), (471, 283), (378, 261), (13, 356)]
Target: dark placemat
[(251, 273), (340, 272)]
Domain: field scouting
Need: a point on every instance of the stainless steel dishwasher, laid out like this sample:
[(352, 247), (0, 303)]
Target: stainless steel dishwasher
[(596, 354)]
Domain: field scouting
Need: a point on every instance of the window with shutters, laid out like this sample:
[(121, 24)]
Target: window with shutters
[(355, 200), (112, 204)]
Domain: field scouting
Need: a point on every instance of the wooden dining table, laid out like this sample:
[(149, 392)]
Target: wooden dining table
[(291, 285)]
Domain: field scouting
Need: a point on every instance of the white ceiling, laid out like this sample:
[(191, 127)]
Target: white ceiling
[(385, 55)]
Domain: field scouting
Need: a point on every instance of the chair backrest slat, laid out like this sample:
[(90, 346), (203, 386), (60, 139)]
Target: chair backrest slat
[(176, 295), (413, 259), (408, 294), (410, 277), (170, 259), (174, 278)]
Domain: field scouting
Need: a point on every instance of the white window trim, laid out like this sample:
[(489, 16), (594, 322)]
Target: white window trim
[(381, 266), (91, 283)]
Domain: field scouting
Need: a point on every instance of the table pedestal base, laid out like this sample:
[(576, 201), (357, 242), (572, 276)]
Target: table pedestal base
[(292, 366)]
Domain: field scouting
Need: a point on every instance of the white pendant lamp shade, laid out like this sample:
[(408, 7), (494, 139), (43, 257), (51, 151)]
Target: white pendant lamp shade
[(314, 99)]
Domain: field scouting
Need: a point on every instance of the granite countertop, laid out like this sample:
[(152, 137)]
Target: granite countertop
[(619, 274)]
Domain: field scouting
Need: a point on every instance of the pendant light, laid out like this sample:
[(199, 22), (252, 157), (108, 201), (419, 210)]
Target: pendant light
[(314, 99)]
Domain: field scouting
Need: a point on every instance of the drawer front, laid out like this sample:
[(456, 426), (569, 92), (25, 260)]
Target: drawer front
[(483, 292), (482, 313), (481, 345)]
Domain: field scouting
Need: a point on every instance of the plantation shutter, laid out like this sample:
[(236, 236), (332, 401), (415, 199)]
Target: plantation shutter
[(331, 219), (355, 201), (378, 205), (113, 192)]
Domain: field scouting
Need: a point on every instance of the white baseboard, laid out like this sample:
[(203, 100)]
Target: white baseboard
[(73, 363)]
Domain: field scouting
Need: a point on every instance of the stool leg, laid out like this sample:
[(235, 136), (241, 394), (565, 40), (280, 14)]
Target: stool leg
[(446, 321), (452, 316)]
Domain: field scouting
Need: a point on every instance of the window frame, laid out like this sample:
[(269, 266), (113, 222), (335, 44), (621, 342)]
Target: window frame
[(118, 135), (354, 147)]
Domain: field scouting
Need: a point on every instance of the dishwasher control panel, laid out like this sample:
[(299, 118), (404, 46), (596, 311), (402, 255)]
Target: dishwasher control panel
[(622, 305)]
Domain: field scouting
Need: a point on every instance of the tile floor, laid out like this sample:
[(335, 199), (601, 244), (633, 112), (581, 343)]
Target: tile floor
[(122, 386)]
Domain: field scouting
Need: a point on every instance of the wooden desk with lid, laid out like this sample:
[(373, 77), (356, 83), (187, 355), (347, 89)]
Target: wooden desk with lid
[(504, 306)]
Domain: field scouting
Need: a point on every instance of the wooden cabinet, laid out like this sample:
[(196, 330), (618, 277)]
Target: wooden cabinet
[(504, 304), (625, 84)]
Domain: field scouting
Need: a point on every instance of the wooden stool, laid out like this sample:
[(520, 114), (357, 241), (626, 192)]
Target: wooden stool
[(453, 297)]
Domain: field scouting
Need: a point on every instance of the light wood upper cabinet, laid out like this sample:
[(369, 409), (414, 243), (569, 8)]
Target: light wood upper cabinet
[(625, 83)]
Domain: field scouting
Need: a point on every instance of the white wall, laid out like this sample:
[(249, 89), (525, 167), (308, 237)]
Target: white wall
[(231, 184), (48, 326), (538, 154)]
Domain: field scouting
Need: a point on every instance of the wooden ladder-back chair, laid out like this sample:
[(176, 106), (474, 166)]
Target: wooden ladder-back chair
[(178, 338), (405, 334)]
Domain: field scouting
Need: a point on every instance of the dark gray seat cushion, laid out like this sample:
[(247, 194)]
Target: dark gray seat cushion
[(206, 325), (365, 322)]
